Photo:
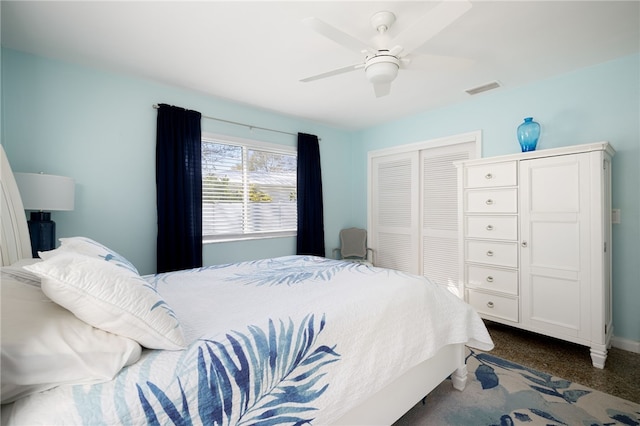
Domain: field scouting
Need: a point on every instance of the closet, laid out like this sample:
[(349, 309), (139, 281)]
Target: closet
[(413, 203), (535, 242)]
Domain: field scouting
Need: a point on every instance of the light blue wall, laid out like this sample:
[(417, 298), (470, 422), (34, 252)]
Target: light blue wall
[(99, 128), (600, 103)]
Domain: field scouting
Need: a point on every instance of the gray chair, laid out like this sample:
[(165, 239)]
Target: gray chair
[(353, 246)]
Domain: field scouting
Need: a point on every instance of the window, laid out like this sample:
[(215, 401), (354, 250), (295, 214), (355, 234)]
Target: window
[(249, 190)]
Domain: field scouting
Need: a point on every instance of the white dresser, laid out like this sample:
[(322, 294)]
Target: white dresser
[(535, 242)]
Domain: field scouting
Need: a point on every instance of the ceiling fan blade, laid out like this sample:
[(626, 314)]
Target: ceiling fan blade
[(332, 73), (430, 24), (337, 35), (436, 62), (395, 51), (382, 89)]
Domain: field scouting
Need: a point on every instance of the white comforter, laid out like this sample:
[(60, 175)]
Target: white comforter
[(277, 341)]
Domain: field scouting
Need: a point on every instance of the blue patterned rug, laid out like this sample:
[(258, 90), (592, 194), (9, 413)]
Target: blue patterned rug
[(501, 392)]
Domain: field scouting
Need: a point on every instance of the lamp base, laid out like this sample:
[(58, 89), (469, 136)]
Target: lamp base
[(42, 231)]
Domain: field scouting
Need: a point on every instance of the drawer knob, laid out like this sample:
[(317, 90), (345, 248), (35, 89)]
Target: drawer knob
[(489, 202), (489, 279), (488, 176), (524, 244), (490, 253), (489, 227), (490, 305)]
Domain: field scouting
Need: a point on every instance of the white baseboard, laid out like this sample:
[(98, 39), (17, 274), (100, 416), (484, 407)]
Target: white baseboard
[(625, 344)]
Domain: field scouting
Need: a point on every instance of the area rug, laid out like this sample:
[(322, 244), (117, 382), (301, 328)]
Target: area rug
[(501, 392)]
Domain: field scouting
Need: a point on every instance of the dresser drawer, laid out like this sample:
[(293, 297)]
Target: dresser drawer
[(496, 306), (501, 280), (491, 175), (492, 227), (492, 253), (491, 201)]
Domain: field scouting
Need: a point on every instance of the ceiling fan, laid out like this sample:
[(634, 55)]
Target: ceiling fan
[(382, 62)]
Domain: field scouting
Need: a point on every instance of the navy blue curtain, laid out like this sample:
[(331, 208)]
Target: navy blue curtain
[(179, 189), (310, 211)]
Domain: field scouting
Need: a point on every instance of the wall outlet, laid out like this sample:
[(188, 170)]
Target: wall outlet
[(615, 216)]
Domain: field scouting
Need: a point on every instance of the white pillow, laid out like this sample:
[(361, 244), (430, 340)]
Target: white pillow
[(88, 247), (110, 297), (16, 272), (44, 345)]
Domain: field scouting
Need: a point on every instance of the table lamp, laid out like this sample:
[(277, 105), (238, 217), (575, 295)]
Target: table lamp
[(44, 193)]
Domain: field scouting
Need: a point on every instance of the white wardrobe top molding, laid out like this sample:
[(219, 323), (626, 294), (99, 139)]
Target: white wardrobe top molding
[(551, 152)]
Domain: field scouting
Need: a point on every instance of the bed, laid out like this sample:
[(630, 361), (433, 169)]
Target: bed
[(287, 340)]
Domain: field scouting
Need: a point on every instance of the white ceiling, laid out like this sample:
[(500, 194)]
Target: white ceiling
[(256, 52)]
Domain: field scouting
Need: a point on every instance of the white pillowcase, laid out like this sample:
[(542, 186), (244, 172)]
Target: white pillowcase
[(44, 345), (88, 247), (16, 272), (110, 297)]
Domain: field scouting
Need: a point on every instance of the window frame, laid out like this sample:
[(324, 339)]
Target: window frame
[(259, 146)]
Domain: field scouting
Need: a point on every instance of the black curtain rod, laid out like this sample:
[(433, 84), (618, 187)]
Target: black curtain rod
[(155, 106)]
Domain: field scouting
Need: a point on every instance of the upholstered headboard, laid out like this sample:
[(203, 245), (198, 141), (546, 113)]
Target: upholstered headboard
[(15, 240)]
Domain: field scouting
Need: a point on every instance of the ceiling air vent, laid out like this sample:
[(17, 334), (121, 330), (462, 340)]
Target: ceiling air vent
[(483, 88)]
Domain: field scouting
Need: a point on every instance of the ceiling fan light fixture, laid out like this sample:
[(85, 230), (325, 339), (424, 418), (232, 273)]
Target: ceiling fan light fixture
[(382, 69), (382, 63)]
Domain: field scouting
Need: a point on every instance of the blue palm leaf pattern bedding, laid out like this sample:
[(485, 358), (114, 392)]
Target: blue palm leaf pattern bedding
[(290, 340)]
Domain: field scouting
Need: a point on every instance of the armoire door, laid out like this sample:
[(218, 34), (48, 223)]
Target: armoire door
[(555, 244)]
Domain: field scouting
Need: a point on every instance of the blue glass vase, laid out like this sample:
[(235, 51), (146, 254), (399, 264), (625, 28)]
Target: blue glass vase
[(528, 134)]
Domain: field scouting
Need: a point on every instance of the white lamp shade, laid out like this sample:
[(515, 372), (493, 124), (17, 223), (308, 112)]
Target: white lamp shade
[(46, 192), (382, 69)]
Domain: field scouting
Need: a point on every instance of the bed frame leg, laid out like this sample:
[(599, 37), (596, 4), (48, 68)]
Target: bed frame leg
[(459, 378)]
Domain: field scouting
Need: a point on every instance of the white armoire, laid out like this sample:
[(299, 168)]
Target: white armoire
[(535, 242)]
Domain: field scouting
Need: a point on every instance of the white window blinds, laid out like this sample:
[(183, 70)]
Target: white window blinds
[(247, 191)]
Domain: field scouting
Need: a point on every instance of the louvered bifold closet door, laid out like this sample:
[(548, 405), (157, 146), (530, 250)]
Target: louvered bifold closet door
[(439, 213), (395, 196)]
